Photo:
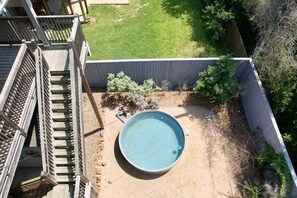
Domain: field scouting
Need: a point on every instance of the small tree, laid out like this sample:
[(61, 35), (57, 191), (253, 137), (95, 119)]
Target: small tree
[(216, 16), (217, 81)]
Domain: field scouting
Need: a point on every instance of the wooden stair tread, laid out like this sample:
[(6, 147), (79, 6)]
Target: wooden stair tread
[(61, 107), (62, 126), (60, 72), (63, 143), (61, 98), (64, 161), (61, 117), (63, 153), (60, 79), (60, 88), (65, 170), (65, 178), (63, 135)]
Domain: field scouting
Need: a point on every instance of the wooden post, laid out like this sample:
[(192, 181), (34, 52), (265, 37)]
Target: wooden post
[(86, 84), (91, 98), (32, 15), (70, 6), (86, 5)]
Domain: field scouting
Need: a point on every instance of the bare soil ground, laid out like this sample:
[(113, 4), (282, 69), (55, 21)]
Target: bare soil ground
[(218, 153)]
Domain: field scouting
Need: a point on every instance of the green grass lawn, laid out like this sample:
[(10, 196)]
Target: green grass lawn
[(149, 29)]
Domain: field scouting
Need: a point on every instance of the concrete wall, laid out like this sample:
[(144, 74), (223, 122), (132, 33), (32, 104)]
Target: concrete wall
[(255, 103)]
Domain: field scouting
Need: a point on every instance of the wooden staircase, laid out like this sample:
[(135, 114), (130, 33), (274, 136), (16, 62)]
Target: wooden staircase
[(58, 94), (62, 126)]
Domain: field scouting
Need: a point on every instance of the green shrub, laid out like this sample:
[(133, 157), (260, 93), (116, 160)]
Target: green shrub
[(120, 82), (140, 95), (278, 163), (251, 190), (217, 81), (281, 85), (215, 18)]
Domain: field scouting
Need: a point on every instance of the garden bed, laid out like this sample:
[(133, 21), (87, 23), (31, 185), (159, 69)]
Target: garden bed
[(219, 151)]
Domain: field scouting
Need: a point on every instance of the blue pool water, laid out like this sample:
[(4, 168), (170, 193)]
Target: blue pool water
[(152, 141)]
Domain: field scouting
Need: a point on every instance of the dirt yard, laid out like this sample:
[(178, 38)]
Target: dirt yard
[(218, 153)]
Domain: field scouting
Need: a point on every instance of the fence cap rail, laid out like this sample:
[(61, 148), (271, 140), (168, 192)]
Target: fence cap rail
[(164, 59)]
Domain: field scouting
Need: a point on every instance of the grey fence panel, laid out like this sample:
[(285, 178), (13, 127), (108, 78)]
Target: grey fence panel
[(242, 69), (259, 115), (257, 110), (173, 70)]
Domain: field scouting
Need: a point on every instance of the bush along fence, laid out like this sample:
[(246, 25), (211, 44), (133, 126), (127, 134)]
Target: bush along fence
[(257, 109)]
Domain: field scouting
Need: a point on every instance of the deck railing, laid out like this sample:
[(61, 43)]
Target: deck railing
[(78, 38), (44, 109), (17, 103), (57, 29), (78, 135), (84, 188)]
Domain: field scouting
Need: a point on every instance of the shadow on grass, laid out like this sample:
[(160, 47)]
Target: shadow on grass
[(192, 10), (128, 168)]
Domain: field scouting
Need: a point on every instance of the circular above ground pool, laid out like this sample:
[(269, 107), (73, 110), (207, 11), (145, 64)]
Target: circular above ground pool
[(152, 141)]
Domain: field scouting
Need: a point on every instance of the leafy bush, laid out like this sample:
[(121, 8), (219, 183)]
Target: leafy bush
[(281, 88), (217, 81), (120, 82), (278, 163), (281, 85), (140, 95), (216, 16), (251, 190)]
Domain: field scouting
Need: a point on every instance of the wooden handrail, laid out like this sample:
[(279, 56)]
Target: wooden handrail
[(9, 161), (86, 83), (17, 105), (44, 108), (12, 74), (12, 124), (83, 187)]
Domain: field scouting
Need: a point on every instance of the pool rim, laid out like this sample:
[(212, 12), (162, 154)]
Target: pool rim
[(155, 171)]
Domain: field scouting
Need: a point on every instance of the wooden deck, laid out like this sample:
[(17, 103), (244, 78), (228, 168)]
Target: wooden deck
[(57, 58), (7, 57)]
